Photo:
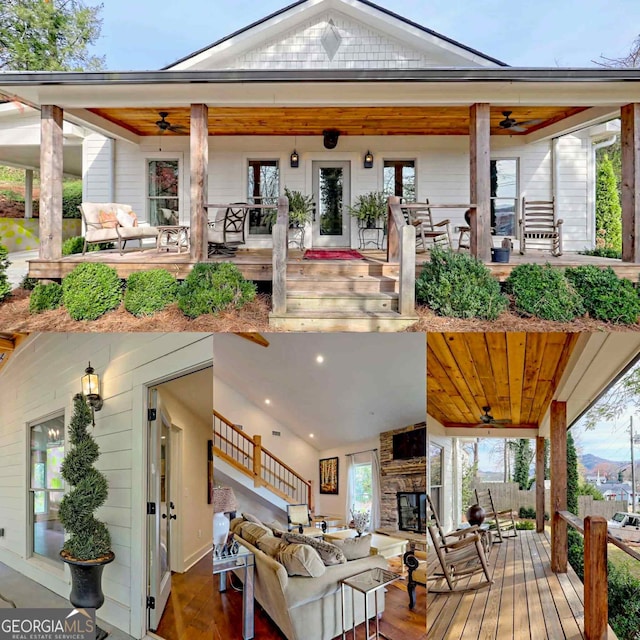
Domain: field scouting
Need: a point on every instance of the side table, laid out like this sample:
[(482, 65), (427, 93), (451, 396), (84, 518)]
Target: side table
[(173, 237), (243, 560), (366, 582)]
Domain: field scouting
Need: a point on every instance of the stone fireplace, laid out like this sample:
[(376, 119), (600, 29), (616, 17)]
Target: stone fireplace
[(399, 476), (412, 511)]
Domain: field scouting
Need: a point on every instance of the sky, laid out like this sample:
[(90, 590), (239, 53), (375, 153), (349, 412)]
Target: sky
[(146, 34)]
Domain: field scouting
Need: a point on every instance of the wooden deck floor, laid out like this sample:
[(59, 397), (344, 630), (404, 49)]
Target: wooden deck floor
[(256, 264), (527, 600)]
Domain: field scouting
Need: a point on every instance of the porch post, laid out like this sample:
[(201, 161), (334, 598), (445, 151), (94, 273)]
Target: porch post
[(630, 139), (480, 188), (199, 144), (28, 193), (540, 484), (596, 606), (51, 142), (559, 547)]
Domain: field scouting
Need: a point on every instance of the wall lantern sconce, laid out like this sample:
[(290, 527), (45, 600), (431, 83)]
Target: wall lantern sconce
[(368, 160), (91, 391), (330, 138), (294, 160)]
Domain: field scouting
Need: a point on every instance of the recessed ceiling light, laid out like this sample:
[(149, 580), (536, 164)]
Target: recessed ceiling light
[(311, 435), (267, 401), (320, 359)]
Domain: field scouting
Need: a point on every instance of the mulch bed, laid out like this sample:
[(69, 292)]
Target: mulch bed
[(15, 316)]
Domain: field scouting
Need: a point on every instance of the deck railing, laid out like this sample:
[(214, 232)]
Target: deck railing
[(280, 237), (401, 250), (246, 454), (596, 538)]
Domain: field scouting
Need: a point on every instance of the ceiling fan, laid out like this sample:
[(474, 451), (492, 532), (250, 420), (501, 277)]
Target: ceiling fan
[(487, 420), (164, 125), (513, 125)]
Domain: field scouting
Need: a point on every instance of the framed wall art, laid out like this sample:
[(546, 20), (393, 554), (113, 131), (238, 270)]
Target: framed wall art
[(329, 475)]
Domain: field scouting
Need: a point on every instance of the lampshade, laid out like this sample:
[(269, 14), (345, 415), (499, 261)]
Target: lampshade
[(224, 500)]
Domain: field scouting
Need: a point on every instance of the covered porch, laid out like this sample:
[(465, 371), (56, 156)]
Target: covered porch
[(531, 386)]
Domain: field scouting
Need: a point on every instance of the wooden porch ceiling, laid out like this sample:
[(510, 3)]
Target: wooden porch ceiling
[(516, 374), (8, 344), (353, 121)]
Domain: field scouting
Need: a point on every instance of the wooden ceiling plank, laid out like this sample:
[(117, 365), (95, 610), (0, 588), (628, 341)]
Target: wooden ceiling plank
[(7, 344), (482, 357), (497, 345), (440, 404), (536, 343), (516, 346)]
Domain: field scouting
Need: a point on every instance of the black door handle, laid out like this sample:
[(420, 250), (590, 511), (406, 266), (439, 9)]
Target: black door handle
[(164, 516), (172, 517)]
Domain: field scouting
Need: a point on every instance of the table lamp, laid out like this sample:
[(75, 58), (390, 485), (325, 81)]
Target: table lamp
[(224, 501)]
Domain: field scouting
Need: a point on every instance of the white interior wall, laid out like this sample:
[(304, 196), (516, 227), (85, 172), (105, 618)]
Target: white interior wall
[(41, 378), (442, 170), (191, 503)]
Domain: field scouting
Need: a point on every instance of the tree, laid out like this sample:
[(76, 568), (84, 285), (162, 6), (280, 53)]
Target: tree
[(5, 285), (49, 35), (608, 209), (547, 471), (572, 476), (630, 61), (623, 395), (523, 457)]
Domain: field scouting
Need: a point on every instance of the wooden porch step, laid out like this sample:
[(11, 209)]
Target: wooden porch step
[(333, 283), (342, 300), (341, 268), (380, 321)]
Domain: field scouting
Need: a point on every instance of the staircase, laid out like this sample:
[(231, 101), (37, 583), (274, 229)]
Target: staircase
[(341, 295), (247, 455)]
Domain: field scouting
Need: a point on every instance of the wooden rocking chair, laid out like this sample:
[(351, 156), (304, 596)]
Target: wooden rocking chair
[(539, 226), (438, 233), (502, 521)]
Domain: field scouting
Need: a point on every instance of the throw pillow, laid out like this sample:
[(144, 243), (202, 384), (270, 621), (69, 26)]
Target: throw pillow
[(355, 548), (301, 560), (329, 553), (125, 219), (278, 529), (270, 545), (252, 532), (251, 518), (108, 219), (235, 523)]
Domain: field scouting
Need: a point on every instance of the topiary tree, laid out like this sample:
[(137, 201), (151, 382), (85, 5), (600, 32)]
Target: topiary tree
[(5, 286), (89, 539), (572, 475), (608, 209)]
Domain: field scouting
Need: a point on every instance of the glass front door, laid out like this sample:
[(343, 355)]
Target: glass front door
[(331, 194)]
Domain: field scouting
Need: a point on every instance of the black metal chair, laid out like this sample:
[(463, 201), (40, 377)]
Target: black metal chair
[(227, 231)]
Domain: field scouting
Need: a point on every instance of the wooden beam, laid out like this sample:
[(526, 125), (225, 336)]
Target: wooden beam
[(630, 140), (7, 345), (199, 142), (51, 148), (559, 548), (596, 607), (280, 238), (480, 188), (540, 484)]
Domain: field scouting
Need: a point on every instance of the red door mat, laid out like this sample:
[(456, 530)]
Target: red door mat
[(332, 254)]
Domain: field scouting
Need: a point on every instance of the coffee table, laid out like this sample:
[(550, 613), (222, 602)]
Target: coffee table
[(385, 546), (366, 582), (175, 236)]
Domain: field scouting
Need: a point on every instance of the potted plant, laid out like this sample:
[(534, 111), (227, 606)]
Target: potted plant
[(88, 547), (300, 208), (370, 209)]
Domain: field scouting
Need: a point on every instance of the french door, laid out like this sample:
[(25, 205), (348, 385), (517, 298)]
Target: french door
[(332, 195)]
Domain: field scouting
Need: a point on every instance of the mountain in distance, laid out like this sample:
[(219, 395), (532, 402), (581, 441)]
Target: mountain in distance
[(591, 463)]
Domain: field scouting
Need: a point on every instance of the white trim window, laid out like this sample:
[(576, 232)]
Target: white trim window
[(46, 486), (399, 179), (263, 187), (436, 460), (163, 191), (504, 197)]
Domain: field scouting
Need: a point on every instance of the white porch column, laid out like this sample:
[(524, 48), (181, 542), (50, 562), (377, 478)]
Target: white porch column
[(480, 187), (28, 193), (51, 142), (199, 143)]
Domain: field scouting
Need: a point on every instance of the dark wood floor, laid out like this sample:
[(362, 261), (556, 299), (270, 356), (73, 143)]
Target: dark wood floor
[(197, 611)]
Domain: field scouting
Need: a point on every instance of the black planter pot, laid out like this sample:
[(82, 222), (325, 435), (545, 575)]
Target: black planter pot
[(86, 585), (475, 515)]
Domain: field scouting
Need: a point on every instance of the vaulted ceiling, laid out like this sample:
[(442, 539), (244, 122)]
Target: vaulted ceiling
[(515, 374)]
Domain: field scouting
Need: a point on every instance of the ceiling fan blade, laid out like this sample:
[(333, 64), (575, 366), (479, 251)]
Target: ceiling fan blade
[(517, 127), (176, 128), (256, 338), (530, 123)]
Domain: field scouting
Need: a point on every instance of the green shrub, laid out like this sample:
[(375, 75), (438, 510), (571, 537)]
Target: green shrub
[(71, 198), (525, 525), (624, 602), (149, 291), (91, 290), (605, 296), (75, 244), (210, 288), (608, 209), (460, 286), (543, 291), (45, 297), (602, 252), (5, 286), (27, 283), (527, 512)]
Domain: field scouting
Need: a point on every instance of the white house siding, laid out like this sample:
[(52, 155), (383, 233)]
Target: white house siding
[(41, 378), (442, 169), (97, 168), (359, 47)]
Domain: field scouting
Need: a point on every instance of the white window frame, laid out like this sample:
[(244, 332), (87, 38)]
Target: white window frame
[(183, 215), (517, 198), (441, 485)]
